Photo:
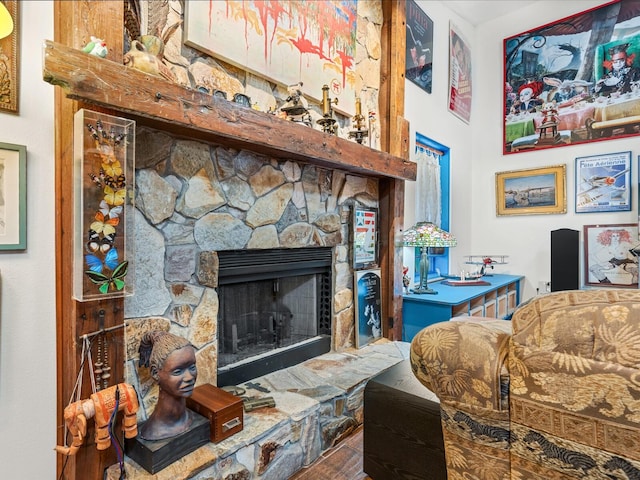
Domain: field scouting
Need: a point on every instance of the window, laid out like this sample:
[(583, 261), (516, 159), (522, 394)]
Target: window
[(433, 197)]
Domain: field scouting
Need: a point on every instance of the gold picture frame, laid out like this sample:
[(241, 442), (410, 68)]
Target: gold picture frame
[(532, 191), (9, 61)]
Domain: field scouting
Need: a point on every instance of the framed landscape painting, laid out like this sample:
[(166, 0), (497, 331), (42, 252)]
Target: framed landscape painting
[(532, 191), (586, 66)]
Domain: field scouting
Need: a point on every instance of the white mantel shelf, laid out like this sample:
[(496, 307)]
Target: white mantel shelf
[(155, 102)]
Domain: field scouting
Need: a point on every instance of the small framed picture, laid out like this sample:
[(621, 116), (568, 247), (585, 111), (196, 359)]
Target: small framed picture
[(533, 191), (603, 183), (368, 306), (13, 197), (365, 237), (608, 257)]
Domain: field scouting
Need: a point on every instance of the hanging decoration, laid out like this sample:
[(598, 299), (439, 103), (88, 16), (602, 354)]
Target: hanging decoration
[(104, 186)]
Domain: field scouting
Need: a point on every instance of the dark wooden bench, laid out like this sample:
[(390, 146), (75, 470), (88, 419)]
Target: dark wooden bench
[(402, 430)]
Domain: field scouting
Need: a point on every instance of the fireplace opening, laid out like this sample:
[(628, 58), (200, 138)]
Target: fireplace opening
[(274, 310)]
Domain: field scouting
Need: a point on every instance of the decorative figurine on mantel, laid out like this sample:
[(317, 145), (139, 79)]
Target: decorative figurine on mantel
[(327, 121), (97, 47), (360, 133), (296, 107), (172, 360)]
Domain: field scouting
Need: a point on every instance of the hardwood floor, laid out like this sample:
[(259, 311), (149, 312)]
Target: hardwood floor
[(344, 462)]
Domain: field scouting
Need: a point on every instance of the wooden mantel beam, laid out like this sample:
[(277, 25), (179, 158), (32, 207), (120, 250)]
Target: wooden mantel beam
[(159, 103)]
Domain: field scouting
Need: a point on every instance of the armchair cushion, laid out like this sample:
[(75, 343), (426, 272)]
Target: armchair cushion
[(558, 398)]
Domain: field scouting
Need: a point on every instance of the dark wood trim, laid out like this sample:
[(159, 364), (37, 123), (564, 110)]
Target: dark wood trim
[(395, 140), (74, 23), (196, 114)]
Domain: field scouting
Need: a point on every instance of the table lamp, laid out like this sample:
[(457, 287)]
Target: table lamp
[(6, 22), (425, 235)]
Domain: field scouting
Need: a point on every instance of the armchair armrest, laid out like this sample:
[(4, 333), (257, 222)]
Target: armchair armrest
[(463, 362)]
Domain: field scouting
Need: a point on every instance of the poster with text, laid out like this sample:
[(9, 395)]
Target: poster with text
[(419, 47), (603, 183), (459, 75), (368, 306)]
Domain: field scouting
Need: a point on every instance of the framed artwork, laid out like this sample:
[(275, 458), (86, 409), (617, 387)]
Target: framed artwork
[(587, 68), (365, 237), (459, 75), (531, 191), (603, 183), (368, 306), (286, 41), (13, 197), (608, 261), (419, 46), (9, 61), (103, 224)]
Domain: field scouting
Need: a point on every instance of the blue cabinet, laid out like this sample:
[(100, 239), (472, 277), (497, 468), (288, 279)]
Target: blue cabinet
[(499, 300)]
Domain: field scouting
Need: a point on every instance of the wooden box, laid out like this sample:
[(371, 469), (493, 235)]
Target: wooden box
[(224, 410)]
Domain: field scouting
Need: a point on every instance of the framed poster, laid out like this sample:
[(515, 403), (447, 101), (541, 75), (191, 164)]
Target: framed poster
[(368, 306), (608, 261), (419, 46), (365, 237), (9, 60), (531, 191), (588, 66), (13, 197), (459, 75), (603, 183), (285, 41)]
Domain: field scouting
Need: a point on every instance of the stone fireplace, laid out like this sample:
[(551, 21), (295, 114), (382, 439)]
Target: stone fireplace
[(275, 310), (203, 212)]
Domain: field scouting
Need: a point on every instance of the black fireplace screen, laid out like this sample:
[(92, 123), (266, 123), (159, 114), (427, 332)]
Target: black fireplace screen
[(271, 299)]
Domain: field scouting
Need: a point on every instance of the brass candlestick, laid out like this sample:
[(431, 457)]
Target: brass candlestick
[(327, 121), (360, 133)]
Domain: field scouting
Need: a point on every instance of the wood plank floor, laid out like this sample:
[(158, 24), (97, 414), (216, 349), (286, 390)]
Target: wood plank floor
[(343, 462)]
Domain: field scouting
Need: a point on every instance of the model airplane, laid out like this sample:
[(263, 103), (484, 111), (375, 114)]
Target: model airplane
[(486, 261)]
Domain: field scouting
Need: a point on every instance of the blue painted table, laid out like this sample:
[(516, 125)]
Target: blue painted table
[(499, 300)]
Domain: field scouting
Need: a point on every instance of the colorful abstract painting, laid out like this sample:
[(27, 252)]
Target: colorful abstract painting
[(285, 41)]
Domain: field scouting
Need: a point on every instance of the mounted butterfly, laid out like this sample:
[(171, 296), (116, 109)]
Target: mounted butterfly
[(104, 177)]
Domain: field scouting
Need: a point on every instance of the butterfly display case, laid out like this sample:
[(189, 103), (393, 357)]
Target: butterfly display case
[(104, 160)]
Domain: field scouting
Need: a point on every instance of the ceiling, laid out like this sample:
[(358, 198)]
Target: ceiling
[(480, 11)]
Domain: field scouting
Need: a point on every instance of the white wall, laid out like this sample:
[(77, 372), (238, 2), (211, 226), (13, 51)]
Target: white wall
[(27, 314), (428, 114), (476, 150)]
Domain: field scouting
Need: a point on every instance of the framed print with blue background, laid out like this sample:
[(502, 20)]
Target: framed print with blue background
[(603, 183)]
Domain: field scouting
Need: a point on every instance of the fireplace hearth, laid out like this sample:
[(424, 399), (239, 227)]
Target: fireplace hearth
[(275, 310)]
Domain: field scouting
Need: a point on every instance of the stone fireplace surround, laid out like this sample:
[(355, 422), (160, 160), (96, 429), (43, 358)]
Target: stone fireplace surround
[(194, 199)]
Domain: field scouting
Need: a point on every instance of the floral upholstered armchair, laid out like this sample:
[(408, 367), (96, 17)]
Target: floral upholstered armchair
[(558, 398)]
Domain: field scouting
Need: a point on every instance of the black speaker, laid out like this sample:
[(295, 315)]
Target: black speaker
[(565, 260)]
